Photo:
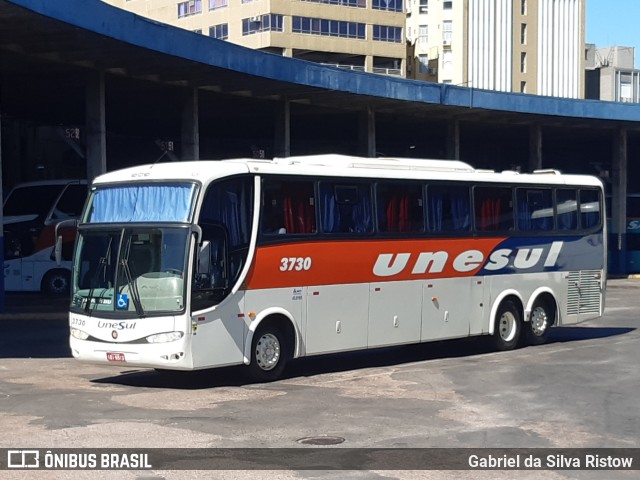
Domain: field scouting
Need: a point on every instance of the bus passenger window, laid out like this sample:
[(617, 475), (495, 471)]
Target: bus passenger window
[(493, 209), (289, 207), (566, 207), (448, 209), (399, 208), (589, 208), (534, 209), (346, 208)]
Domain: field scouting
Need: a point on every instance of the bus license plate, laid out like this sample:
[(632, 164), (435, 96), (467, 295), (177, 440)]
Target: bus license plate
[(115, 357)]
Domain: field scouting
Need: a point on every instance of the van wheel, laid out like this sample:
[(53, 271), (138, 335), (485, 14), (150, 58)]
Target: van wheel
[(269, 353), (537, 328), (508, 323), (56, 282)]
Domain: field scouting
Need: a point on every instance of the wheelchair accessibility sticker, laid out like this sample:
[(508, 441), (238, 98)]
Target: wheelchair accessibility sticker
[(122, 301)]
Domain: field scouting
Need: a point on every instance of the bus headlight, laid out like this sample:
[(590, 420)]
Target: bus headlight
[(79, 334), (164, 337)]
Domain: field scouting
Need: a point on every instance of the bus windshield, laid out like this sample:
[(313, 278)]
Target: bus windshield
[(137, 270), (151, 202)]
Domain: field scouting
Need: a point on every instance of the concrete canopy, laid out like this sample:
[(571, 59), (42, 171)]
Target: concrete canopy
[(90, 34)]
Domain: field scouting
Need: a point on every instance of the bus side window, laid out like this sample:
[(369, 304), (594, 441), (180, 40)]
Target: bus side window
[(589, 208), (399, 208), (448, 209), (493, 208), (289, 207), (566, 208), (534, 209), (346, 208)]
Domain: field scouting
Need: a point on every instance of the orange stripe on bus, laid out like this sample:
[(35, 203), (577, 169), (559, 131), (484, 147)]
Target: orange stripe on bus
[(343, 262)]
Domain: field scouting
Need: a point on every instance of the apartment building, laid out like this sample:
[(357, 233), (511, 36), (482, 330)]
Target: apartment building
[(611, 74), (364, 35), (526, 46)]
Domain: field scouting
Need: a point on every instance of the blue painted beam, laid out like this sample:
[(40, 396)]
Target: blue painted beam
[(102, 19)]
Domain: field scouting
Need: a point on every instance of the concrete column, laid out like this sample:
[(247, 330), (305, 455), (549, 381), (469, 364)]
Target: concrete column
[(190, 134), (453, 139), (618, 236), (95, 125), (282, 133), (535, 147), (367, 133)]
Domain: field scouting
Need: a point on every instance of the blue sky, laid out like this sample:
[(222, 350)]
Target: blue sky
[(614, 22)]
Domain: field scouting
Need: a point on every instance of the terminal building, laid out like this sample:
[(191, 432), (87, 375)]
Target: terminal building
[(87, 88)]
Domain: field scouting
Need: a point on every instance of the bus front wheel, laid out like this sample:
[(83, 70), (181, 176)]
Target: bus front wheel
[(269, 353), (56, 282), (508, 323)]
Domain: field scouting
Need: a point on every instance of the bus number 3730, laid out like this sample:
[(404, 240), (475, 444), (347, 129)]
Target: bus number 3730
[(299, 264)]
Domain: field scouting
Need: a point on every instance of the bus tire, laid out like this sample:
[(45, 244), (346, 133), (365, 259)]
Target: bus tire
[(269, 353), (56, 282), (508, 325), (541, 318)]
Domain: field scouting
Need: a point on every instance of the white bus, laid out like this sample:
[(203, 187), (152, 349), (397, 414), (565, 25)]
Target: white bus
[(30, 213), (193, 265)]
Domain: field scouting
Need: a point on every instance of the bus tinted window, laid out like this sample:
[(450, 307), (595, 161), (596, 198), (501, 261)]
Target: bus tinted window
[(534, 209), (448, 209), (399, 208), (566, 208), (493, 209), (589, 208), (289, 207), (346, 208)]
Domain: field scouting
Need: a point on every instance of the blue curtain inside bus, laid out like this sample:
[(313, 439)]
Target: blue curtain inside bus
[(142, 203)]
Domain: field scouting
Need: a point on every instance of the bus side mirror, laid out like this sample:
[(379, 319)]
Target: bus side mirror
[(204, 258), (58, 250), (69, 223)]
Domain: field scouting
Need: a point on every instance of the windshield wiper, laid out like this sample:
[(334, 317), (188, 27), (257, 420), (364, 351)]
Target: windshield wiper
[(133, 288), (102, 268)]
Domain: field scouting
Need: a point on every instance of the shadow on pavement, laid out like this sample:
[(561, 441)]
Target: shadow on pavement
[(340, 362)]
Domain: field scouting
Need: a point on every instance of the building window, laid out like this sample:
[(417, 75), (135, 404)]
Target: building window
[(221, 32), (523, 7), (523, 34), (447, 32), (423, 63), (523, 87), (264, 23), (390, 5), (197, 30), (447, 61), (424, 6), (447, 5), (330, 28), (423, 34), (344, 3), (215, 4), (523, 62), (385, 33), (189, 8)]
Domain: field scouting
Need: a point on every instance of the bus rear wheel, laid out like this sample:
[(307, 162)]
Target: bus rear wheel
[(56, 282), (269, 353), (508, 324), (542, 317)]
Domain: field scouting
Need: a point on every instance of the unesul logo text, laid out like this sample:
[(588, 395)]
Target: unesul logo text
[(389, 264)]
